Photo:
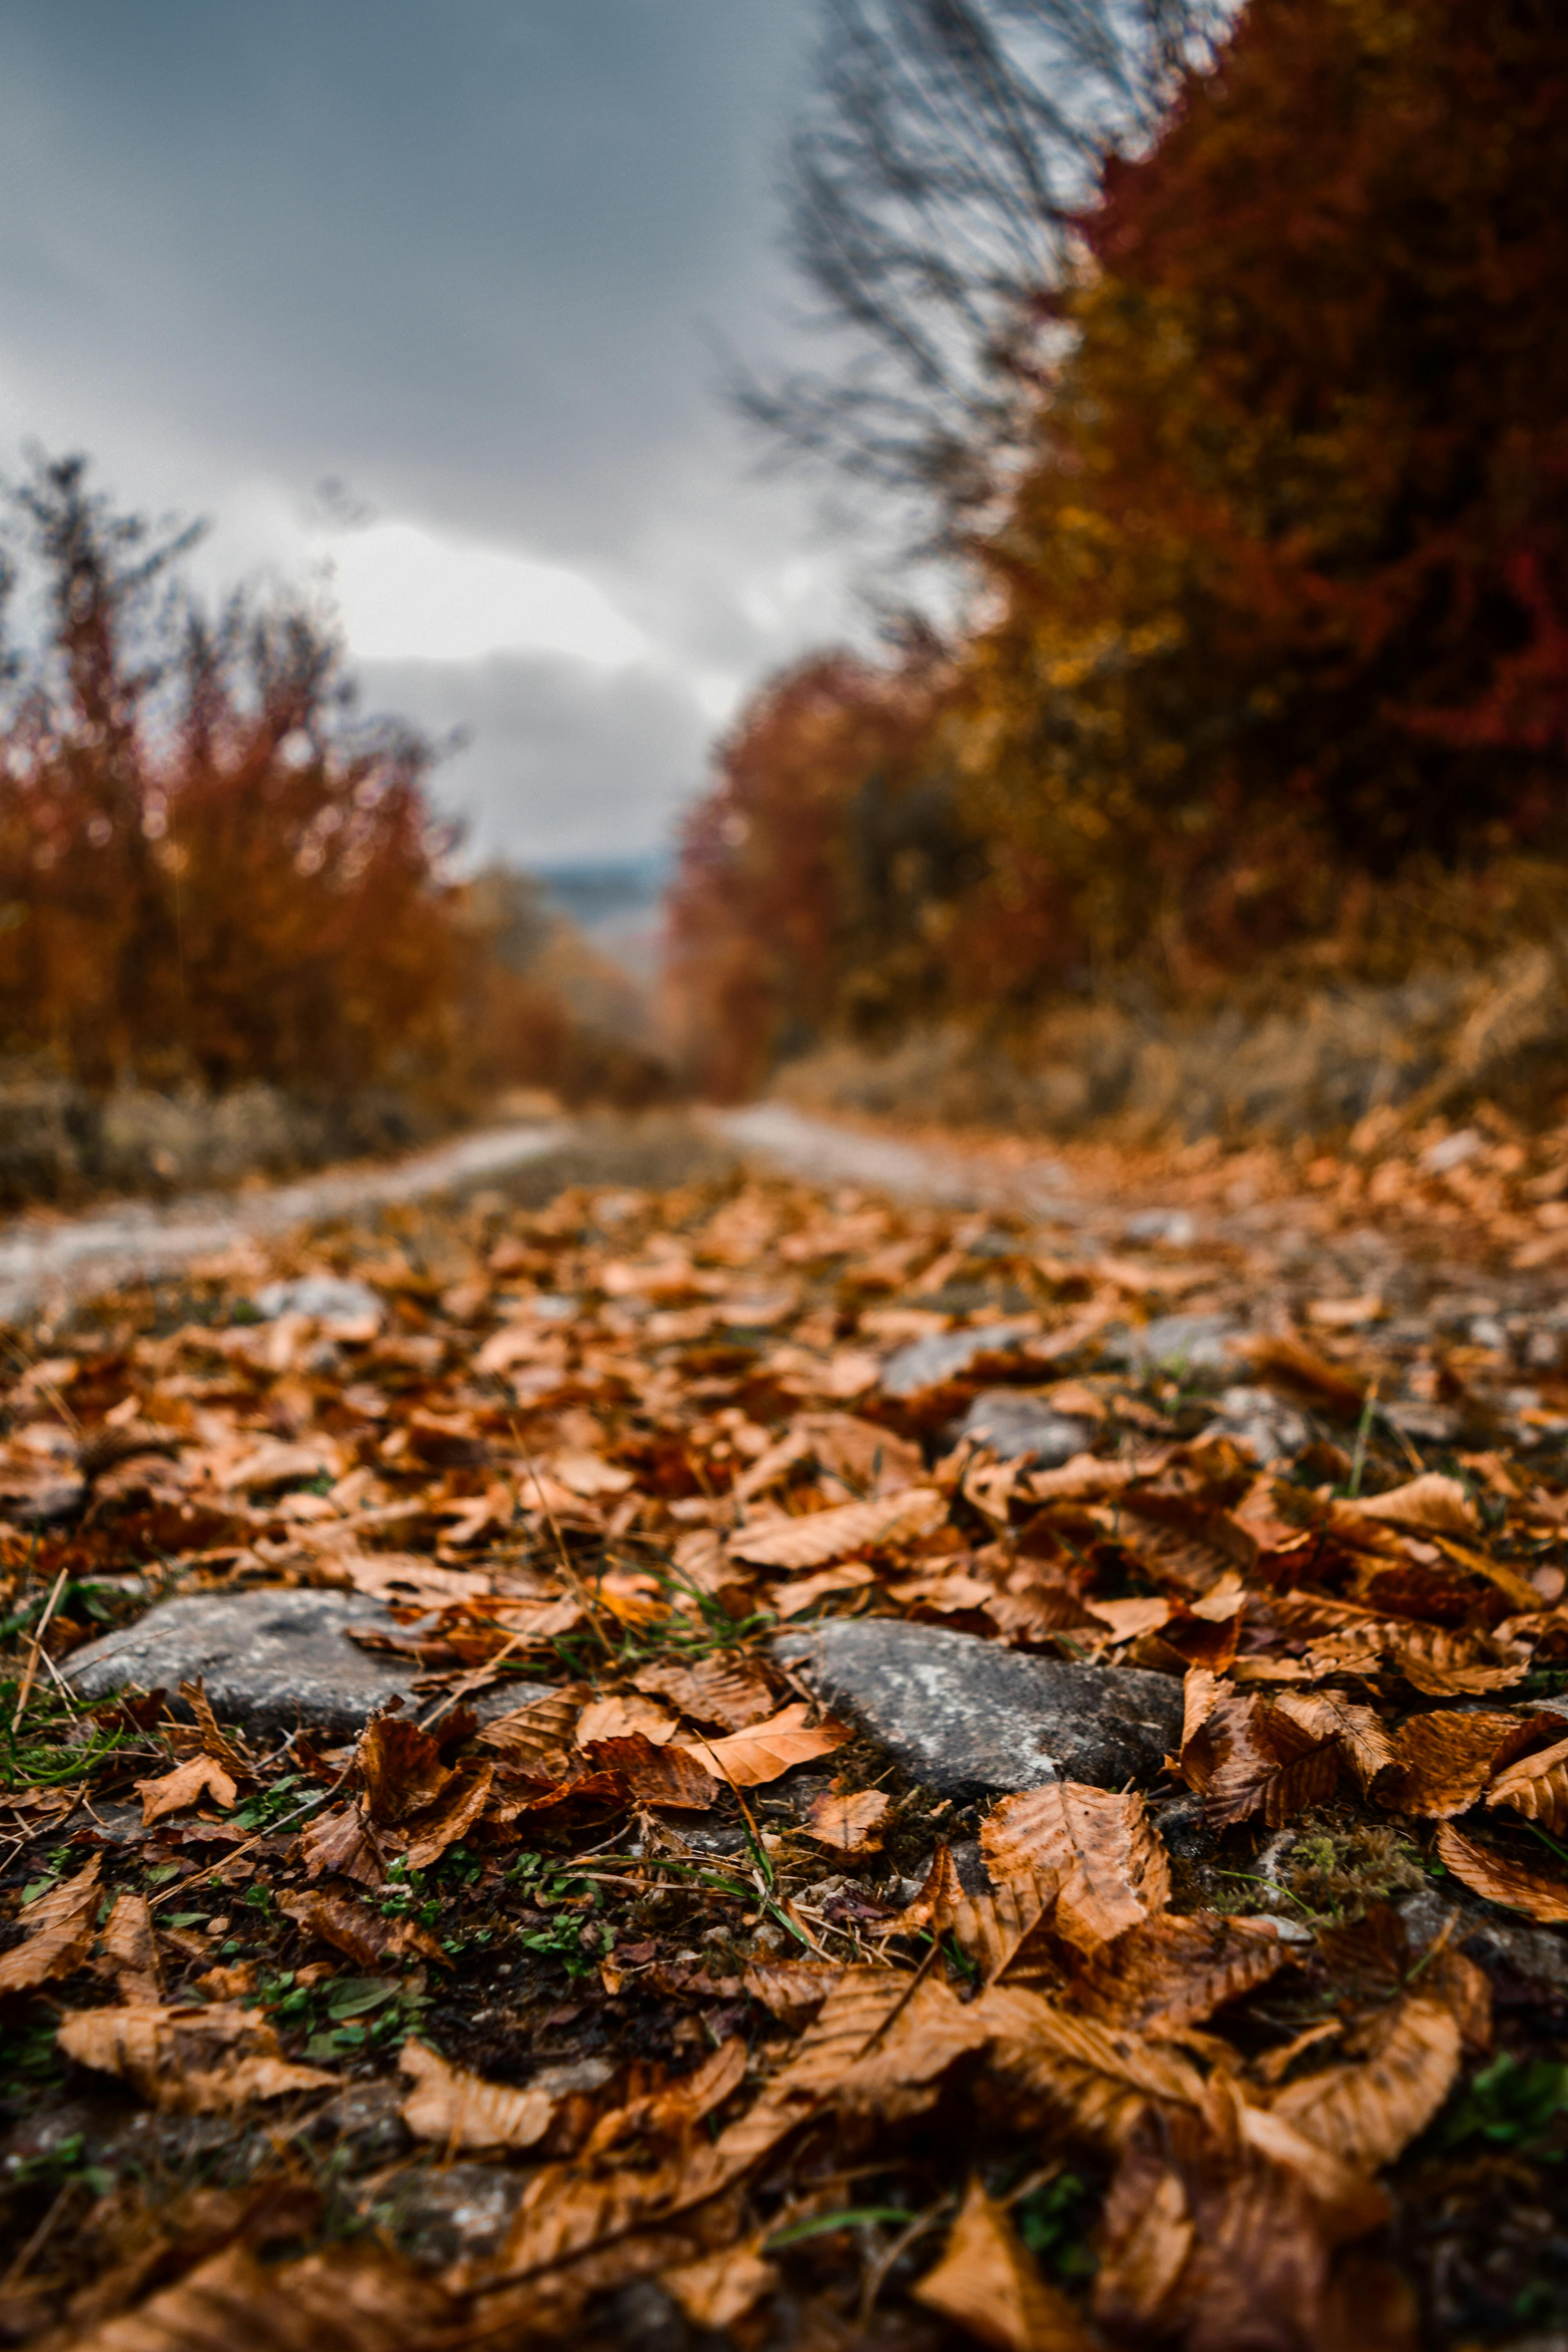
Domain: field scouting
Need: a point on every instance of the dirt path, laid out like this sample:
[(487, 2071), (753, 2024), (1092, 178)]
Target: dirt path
[(46, 1257)]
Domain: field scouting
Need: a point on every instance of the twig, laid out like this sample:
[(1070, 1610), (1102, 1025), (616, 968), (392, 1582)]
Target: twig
[(35, 2243), (38, 1632), (184, 1886)]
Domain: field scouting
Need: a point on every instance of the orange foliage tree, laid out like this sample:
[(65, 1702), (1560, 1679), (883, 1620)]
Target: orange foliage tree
[(212, 871), (1279, 596), (816, 879)]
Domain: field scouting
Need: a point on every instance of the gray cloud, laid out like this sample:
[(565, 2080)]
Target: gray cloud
[(578, 765), (472, 261)]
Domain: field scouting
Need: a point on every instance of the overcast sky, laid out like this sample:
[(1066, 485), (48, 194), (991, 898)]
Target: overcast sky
[(469, 260)]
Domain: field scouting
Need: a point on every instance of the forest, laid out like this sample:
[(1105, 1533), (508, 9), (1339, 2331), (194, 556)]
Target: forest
[(1246, 433)]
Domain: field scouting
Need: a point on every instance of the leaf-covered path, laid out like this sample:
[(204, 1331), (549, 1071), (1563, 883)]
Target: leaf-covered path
[(637, 1976)]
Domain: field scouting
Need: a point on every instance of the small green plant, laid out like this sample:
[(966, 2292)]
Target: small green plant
[(1052, 2222), (1512, 2103)]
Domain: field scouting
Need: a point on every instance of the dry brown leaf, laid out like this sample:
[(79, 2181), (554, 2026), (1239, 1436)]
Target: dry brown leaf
[(792, 1990), (1110, 1864), (748, 1758), (1264, 1760), (354, 2297), (58, 1928), (819, 1537), (1361, 1731), (130, 1948), (716, 2292), (462, 2110), (1172, 1972), (464, 1797), (999, 1929), (1537, 1787), (352, 1928), (1089, 2079), (804, 1591), (1445, 1664), (1214, 2237), (1429, 1504), (624, 1719), (171, 1792), (1366, 2112), (1442, 1761), (344, 1841), (936, 1904), (733, 1694), (1486, 1871), (542, 1729), (898, 2071), (187, 2061), (400, 1767), (216, 1742), (849, 1822), (990, 2286), (657, 1776)]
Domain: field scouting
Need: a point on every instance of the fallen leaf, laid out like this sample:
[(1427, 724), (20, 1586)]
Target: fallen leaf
[(1486, 1871), (805, 1591), (462, 1801), (130, 1948), (360, 1934), (543, 1727), (847, 1823), (344, 1840), (400, 1767), (817, 1537), (1445, 1664), (1431, 1504), (462, 2110), (713, 2294), (990, 2286), (747, 1759), (1091, 2080), (715, 1690), (792, 1989), (57, 1932), (1110, 1864), (1172, 1972), (657, 1776), (624, 1719), (199, 1776), (1441, 1762), (354, 2297), (1367, 2112), (1537, 1787), (187, 2061), (1263, 1760)]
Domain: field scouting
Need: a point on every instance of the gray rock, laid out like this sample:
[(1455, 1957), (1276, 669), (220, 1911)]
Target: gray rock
[(327, 1298), (1023, 1428), (1178, 1226), (452, 2209), (1487, 1937), (269, 1659), (1182, 1343), (964, 1715), (1255, 1418), (926, 1363)]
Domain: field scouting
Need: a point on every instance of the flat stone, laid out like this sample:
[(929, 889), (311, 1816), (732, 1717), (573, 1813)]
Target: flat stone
[(327, 1298), (964, 1715), (947, 1356), (1269, 1429), (269, 1659), (1181, 1343), (1022, 1427)]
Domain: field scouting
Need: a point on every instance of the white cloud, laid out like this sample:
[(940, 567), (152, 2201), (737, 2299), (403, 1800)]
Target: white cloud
[(407, 595)]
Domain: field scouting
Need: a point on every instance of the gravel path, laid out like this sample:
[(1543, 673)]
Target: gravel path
[(45, 1257)]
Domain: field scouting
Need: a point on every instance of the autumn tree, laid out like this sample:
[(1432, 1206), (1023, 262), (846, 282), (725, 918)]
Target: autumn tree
[(1285, 584)]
